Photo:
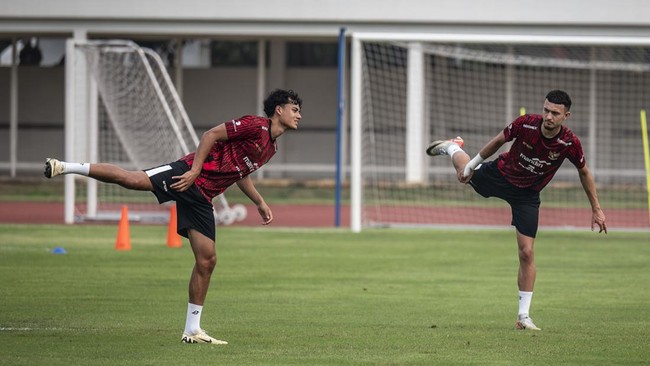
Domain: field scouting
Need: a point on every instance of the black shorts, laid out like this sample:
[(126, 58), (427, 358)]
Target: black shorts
[(193, 209), (489, 182)]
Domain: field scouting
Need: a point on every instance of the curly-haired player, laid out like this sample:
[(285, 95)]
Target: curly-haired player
[(226, 154)]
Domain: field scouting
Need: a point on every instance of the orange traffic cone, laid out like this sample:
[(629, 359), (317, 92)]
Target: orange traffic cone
[(123, 233), (173, 239)]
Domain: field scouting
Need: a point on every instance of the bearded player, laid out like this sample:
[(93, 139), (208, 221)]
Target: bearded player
[(540, 144)]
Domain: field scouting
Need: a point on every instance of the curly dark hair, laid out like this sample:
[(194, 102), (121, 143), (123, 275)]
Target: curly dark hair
[(559, 97), (280, 97)]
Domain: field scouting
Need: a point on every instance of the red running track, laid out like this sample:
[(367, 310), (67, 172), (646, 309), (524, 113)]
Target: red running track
[(283, 215), (323, 215)]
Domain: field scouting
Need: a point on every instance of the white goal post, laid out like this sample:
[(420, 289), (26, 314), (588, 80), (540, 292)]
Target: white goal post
[(408, 89), (122, 108)]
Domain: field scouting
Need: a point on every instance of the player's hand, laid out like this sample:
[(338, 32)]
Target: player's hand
[(598, 218), (184, 182), (464, 179), (265, 212)]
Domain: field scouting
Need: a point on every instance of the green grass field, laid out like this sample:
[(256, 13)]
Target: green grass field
[(322, 297)]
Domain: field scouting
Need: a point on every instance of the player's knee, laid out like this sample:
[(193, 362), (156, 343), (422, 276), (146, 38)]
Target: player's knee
[(206, 264), (526, 254)]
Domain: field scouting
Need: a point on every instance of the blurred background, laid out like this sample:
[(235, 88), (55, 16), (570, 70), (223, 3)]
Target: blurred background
[(224, 57)]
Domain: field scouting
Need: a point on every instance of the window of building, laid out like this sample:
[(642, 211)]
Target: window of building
[(312, 54), (234, 53)]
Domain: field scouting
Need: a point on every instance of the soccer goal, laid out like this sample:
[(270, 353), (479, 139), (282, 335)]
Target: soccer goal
[(410, 89), (122, 108)]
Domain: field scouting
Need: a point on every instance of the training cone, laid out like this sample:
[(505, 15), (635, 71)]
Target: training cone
[(173, 239), (123, 233)]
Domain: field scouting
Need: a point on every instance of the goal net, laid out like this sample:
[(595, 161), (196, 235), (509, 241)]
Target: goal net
[(409, 90), (124, 110)]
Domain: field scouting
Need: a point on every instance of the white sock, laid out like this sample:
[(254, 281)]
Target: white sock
[(452, 149), (76, 168), (193, 320), (525, 297)]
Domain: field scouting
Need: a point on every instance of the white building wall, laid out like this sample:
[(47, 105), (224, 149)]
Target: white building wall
[(575, 12)]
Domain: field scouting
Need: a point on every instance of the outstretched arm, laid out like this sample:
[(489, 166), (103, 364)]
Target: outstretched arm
[(588, 184), (246, 186), (208, 139), (488, 150), (493, 146)]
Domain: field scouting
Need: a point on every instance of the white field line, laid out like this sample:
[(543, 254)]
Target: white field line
[(31, 329)]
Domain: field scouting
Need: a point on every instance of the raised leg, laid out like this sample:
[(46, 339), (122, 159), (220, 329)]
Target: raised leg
[(109, 173)]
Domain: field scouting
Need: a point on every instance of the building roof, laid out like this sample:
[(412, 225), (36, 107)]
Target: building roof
[(321, 18)]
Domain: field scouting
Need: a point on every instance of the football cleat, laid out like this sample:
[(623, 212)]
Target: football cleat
[(440, 147), (201, 337), (525, 322), (53, 168)]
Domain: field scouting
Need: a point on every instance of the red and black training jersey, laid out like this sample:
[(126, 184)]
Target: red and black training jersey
[(533, 159), (249, 146)]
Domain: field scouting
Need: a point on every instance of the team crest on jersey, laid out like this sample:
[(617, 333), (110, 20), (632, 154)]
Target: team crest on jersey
[(553, 155), (235, 123)]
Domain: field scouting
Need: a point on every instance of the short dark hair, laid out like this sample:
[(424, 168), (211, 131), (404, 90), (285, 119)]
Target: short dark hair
[(280, 97), (559, 97)]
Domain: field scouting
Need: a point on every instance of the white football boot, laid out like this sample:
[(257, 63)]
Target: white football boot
[(201, 337), (525, 322), (439, 147), (53, 167)]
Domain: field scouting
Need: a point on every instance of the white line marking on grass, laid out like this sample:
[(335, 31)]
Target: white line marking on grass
[(26, 329)]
